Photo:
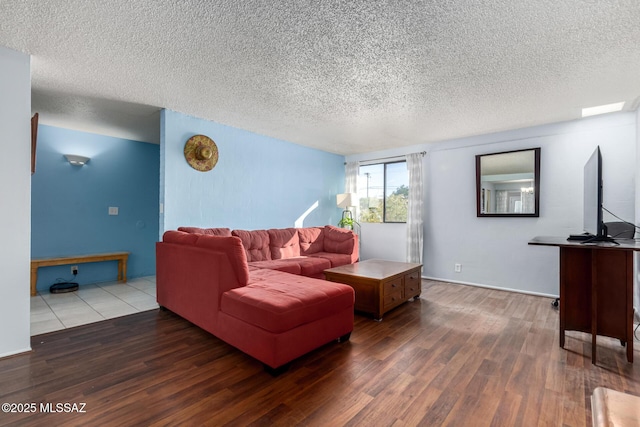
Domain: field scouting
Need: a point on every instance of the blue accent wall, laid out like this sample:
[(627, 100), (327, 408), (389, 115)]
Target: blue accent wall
[(259, 182), (69, 204)]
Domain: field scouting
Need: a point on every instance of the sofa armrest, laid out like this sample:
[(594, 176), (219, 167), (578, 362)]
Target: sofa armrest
[(613, 408), (190, 281), (341, 241), (355, 255)]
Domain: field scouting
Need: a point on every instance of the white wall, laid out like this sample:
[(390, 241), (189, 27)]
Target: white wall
[(636, 298), (15, 187), (494, 251)]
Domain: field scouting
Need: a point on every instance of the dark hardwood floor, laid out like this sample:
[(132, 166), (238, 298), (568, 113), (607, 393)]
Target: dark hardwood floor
[(459, 356)]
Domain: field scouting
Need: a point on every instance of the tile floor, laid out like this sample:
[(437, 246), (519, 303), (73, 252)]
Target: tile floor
[(91, 303)]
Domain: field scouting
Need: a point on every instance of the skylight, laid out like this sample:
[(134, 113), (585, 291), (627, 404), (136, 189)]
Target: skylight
[(602, 109)]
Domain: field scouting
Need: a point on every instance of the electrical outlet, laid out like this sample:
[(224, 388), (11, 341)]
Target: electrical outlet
[(458, 268), (74, 270)]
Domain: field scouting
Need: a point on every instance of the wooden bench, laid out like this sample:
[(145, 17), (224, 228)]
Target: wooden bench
[(121, 257), (612, 408)]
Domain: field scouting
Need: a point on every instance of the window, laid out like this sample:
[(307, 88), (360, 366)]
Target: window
[(383, 191)]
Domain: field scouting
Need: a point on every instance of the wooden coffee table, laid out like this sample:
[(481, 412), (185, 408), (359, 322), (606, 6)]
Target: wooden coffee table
[(379, 285)]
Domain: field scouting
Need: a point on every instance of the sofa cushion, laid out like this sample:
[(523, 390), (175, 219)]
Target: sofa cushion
[(279, 302), (209, 231), (232, 247), (306, 266), (179, 237), (313, 266), (311, 240), (336, 260), (338, 240), (256, 244), (284, 243), (289, 265)]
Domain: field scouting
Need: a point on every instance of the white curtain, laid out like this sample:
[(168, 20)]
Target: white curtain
[(351, 177), (415, 209), (502, 201), (351, 171), (528, 205)]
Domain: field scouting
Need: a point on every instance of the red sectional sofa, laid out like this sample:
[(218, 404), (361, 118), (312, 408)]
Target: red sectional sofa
[(304, 251), (259, 290)]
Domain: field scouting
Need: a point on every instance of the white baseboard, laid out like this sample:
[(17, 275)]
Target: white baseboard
[(497, 288), (13, 353)]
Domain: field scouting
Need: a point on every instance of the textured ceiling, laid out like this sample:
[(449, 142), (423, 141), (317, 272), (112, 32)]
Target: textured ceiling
[(343, 76)]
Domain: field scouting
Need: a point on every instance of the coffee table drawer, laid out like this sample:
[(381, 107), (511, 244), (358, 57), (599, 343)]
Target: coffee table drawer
[(393, 286), (412, 284), (392, 299)]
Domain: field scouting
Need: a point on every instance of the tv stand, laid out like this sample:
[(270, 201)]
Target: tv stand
[(601, 239), (596, 289), (590, 238)]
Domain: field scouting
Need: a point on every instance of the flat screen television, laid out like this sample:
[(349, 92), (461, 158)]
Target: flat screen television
[(592, 202)]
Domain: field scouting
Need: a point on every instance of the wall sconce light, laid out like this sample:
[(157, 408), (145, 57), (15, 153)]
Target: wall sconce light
[(76, 160)]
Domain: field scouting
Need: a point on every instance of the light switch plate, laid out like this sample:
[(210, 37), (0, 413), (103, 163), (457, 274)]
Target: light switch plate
[(113, 210)]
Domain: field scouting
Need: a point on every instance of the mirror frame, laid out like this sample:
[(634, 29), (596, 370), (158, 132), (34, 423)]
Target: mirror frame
[(536, 212)]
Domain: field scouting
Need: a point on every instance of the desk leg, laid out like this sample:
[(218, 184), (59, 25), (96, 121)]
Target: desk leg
[(34, 280), (561, 325), (629, 304), (594, 304), (562, 304)]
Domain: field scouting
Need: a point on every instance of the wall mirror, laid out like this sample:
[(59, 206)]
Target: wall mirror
[(508, 184)]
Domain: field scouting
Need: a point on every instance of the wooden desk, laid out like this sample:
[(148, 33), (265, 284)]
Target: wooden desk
[(596, 289), (121, 257)]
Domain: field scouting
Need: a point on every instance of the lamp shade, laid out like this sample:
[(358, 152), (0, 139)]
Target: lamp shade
[(346, 199)]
